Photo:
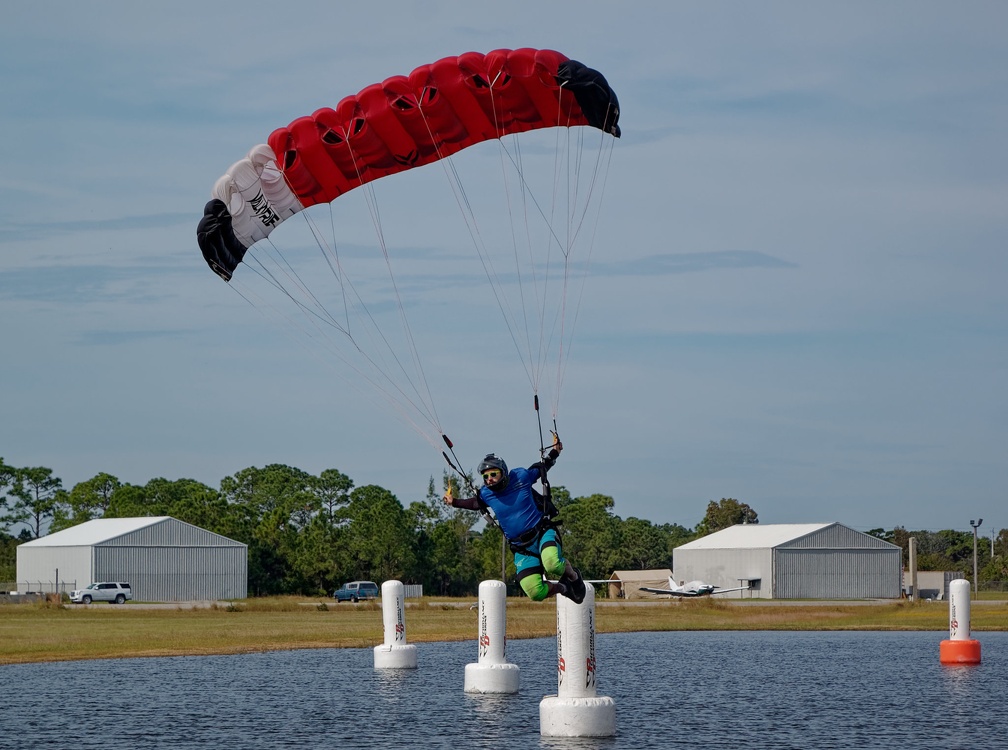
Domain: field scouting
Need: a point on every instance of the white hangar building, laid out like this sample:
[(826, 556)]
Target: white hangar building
[(794, 561), (163, 559)]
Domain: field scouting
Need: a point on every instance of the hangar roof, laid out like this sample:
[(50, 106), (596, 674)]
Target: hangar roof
[(754, 536), (94, 532)]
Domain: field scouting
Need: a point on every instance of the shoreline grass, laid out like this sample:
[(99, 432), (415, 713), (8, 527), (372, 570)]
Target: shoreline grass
[(54, 632)]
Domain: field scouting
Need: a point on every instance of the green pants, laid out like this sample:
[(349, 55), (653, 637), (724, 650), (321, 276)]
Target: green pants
[(543, 557)]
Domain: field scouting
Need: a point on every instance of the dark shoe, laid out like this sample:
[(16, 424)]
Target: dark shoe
[(575, 586)]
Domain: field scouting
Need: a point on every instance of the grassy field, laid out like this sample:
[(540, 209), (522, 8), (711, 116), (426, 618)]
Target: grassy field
[(51, 632)]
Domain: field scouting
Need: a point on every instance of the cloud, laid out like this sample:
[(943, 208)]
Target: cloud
[(667, 264), (125, 338), (20, 232), (793, 290)]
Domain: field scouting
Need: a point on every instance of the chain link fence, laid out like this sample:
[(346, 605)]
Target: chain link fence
[(37, 587), (993, 586)]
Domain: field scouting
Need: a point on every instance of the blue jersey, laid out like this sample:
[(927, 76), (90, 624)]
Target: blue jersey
[(514, 505)]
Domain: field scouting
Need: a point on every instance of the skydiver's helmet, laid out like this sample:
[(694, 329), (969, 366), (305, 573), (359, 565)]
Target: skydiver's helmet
[(493, 462)]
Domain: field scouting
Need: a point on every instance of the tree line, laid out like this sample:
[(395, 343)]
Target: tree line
[(953, 550), (307, 534)]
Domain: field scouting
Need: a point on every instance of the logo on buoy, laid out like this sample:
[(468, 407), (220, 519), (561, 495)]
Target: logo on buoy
[(561, 667), (484, 638), (400, 627)]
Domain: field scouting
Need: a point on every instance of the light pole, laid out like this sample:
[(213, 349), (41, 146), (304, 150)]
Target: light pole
[(975, 527)]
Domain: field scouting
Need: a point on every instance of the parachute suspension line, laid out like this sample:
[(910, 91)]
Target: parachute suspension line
[(552, 319), (561, 160), (404, 320), (317, 313), (561, 156), (568, 170), (565, 168), (331, 257), (397, 404), (486, 259), (426, 397), (536, 358), (540, 294), (469, 217), (375, 334), (332, 260), (549, 221), (337, 269), (534, 354), (535, 202), (604, 171), (378, 375), (597, 170), (533, 371)]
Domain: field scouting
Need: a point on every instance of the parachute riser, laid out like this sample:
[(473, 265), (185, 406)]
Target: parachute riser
[(484, 509), (544, 479)]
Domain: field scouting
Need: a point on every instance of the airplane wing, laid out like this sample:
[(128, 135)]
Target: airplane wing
[(670, 592), (689, 592)]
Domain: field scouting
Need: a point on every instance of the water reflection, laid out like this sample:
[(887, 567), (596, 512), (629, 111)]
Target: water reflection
[(392, 684), (491, 704), (715, 690)]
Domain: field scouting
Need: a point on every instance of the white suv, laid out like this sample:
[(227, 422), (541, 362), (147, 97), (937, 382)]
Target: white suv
[(102, 592)]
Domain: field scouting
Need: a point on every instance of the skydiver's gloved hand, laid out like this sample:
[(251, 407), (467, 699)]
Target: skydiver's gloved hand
[(555, 450)]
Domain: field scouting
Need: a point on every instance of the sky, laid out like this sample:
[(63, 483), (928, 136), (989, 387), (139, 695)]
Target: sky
[(796, 291)]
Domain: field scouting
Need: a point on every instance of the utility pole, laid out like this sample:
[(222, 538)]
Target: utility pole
[(913, 568), (975, 527)]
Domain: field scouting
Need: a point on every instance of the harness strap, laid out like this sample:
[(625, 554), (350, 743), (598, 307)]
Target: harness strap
[(523, 542)]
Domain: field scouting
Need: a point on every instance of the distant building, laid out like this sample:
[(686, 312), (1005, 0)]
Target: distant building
[(162, 558), (794, 561), (931, 584), (626, 584)]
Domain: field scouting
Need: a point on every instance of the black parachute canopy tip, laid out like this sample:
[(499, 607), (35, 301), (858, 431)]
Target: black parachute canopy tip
[(215, 235)]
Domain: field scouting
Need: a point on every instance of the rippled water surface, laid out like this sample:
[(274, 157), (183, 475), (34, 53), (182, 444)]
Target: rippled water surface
[(707, 689)]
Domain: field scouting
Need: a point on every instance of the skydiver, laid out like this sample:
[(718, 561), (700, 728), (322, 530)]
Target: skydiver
[(531, 534)]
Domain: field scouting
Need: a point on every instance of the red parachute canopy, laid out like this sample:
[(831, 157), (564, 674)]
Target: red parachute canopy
[(388, 127)]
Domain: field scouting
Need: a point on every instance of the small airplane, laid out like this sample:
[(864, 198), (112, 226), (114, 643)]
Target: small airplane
[(693, 588)]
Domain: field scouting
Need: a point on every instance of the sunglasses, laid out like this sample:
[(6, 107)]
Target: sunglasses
[(491, 474)]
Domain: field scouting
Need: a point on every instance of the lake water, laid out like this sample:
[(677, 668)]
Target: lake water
[(698, 689)]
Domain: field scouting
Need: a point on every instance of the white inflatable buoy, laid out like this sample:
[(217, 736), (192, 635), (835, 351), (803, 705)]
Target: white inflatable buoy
[(577, 710), (959, 648), (394, 653), (492, 673)]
